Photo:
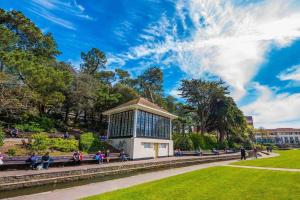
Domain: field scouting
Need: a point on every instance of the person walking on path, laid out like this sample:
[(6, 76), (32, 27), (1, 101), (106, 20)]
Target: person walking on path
[(243, 153), (255, 152)]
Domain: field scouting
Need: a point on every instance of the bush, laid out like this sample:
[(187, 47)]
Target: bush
[(64, 145), (41, 142), (2, 136), (11, 152), (196, 141), (45, 123), (30, 127), (90, 142), (182, 141)]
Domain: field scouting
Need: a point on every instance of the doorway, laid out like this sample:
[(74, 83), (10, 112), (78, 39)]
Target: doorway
[(156, 149)]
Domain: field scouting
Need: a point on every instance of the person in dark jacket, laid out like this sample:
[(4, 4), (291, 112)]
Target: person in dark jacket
[(243, 153), (46, 160)]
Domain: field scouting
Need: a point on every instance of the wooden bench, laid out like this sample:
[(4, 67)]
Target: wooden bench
[(58, 161)]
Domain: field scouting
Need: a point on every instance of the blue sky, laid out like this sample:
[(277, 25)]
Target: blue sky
[(254, 46)]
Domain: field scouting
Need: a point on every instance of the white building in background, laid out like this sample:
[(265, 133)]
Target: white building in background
[(141, 128), (278, 136)]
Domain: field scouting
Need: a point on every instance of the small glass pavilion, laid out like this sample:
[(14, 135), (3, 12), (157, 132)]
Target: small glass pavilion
[(141, 128)]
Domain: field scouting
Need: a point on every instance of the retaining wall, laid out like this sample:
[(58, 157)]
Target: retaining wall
[(38, 179)]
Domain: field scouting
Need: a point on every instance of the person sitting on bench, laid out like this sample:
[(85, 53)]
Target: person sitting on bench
[(46, 159), (33, 160), (77, 157), (99, 157), (123, 156)]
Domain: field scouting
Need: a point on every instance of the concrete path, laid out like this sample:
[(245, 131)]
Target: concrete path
[(265, 168), (107, 186)]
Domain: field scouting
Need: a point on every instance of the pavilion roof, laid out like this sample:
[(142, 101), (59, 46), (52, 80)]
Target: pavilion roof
[(140, 103)]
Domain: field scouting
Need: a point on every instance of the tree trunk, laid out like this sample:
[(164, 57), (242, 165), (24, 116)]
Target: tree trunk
[(221, 136)]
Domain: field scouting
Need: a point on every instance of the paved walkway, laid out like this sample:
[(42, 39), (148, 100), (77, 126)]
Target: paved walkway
[(107, 186)]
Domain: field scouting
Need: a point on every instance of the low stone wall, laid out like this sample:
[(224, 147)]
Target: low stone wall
[(38, 179)]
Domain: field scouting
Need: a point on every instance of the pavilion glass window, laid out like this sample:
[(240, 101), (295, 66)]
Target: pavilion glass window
[(152, 126), (121, 124)]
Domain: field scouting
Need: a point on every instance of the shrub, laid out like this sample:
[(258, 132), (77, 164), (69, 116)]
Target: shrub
[(182, 141), (41, 142), (30, 127), (196, 141), (64, 145), (2, 136), (90, 142), (11, 152)]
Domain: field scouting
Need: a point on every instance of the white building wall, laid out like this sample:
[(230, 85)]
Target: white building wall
[(128, 147), (145, 148), (141, 148)]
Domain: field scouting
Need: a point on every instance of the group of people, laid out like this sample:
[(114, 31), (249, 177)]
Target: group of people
[(39, 163), (100, 157), (178, 152)]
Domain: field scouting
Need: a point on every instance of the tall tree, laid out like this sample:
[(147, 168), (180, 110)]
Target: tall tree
[(199, 95), (226, 118), (93, 61), (29, 55), (150, 83)]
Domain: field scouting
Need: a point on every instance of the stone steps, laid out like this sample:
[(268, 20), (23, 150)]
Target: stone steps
[(38, 179)]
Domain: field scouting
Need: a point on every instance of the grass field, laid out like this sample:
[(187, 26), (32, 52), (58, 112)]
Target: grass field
[(216, 183), (287, 159)]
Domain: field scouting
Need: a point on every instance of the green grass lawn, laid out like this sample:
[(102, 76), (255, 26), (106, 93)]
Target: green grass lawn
[(216, 183), (287, 159)]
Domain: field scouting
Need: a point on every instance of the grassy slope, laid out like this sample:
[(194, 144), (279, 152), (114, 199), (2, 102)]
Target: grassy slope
[(220, 183), (287, 159)]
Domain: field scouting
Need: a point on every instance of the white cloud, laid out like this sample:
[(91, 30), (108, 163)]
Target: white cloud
[(57, 20), (292, 74), (274, 110), (175, 93), (52, 10), (226, 40)]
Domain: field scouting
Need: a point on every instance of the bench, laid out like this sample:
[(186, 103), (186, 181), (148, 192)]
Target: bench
[(206, 153), (58, 161)]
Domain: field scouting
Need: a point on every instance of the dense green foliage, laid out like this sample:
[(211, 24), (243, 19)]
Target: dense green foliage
[(287, 159), (221, 183), (182, 141), (42, 143), (196, 141), (30, 127), (64, 145), (212, 110), (90, 142)]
